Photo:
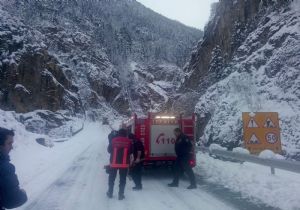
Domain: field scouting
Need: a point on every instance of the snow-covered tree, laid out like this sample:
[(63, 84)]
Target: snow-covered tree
[(217, 62)]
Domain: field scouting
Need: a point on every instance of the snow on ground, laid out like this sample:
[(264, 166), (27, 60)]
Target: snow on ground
[(70, 176), (268, 154), (281, 190), (38, 166), (241, 150)]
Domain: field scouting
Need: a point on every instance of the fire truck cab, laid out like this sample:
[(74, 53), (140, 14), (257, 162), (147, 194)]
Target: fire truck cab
[(157, 134)]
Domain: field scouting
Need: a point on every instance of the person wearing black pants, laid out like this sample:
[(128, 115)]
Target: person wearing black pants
[(183, 164), (122, 183), (136, 173), (121, 143), (137, 167), (183, 147)]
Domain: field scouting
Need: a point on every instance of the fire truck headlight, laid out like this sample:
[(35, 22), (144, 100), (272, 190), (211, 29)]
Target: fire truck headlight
[(165, 117)]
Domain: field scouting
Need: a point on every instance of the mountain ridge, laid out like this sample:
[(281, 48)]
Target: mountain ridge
[(96, 57)]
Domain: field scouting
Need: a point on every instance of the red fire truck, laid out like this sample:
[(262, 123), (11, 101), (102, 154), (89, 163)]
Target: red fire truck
[(156, 132)]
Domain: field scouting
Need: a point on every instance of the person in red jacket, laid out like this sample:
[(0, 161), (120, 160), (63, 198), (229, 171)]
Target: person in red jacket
[(121, 158), (11, 196)]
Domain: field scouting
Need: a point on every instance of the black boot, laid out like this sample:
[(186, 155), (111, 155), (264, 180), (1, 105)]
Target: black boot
[(109, 194), (173, 184), (192, 186), (136, 188), (121, 197)]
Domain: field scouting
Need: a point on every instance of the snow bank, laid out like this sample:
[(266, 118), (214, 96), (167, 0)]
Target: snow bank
[(27, 154), (38, 166), (216, 147), (256, 182), (268, 154), (241, 150), (22, 138)]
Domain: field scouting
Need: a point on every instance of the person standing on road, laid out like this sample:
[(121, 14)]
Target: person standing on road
[(137, 167), (183, 148), (113, 134), (119, 146), (11, 196)]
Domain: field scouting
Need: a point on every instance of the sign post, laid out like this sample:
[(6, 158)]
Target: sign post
[(261, 132)]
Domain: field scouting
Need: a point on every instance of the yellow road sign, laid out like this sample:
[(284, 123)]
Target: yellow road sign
[(261, 132)]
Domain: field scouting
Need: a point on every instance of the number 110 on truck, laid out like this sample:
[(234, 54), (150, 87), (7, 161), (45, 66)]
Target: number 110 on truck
[(157, 134)]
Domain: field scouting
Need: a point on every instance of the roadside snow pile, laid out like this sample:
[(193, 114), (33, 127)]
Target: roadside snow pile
[(23, 138), (27, 153), (268, 154), (37, 166), (53, 124), (216, 147), (241, 150), (235, 150), (256, 182), (32, 159)]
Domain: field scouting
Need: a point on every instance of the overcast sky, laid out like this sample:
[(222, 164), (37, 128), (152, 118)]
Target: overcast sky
[(193, 13)]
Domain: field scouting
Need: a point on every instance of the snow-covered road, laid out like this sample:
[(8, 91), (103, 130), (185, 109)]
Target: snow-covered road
[(70, 176), (82, 185)]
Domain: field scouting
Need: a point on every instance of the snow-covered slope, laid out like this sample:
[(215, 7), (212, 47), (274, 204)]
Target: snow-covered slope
[(93, 45), (262, 73), (88, 58)]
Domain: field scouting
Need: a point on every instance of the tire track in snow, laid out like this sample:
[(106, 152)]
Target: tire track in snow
[(57, 192), (84, 184)]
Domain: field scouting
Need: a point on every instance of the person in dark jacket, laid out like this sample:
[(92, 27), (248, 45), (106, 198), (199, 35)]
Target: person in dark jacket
[(137, 167), (121, 139), (11, 196), (113, 134), (183, 148)]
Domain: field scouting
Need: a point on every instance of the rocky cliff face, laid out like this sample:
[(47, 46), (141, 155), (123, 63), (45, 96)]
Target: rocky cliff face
[(248, 60), (30, 78), (230, 24)]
